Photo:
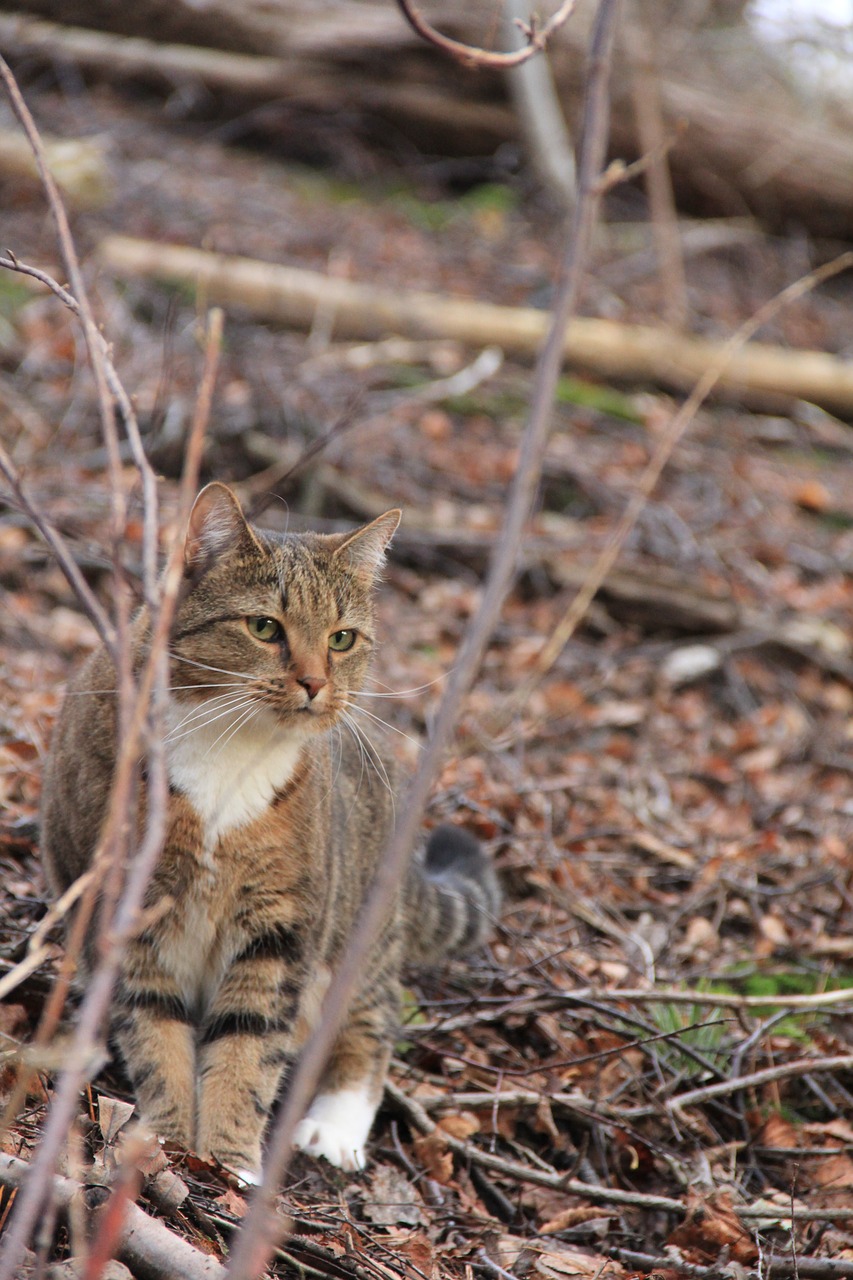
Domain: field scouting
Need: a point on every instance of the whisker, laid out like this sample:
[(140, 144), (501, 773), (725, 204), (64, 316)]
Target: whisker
[(173, 688), (251, 711), (399, 693), (221, 684), (373, 755), (385, 725), (357, 740), (206, 666), (200, 712), (228, 711)]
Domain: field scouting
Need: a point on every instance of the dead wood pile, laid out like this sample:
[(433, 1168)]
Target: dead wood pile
[(745, 141)]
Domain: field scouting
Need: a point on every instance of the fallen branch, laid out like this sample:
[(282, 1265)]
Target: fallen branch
[(145, 1244), (774, 1268), (723, 1088), (291, 296), (541, 1177), (78, 165)]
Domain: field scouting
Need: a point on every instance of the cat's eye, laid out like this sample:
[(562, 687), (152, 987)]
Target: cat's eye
[(340, 641), (264, 629)]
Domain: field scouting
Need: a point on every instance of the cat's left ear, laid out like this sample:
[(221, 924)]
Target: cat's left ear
[(216, 525), (365, 550)]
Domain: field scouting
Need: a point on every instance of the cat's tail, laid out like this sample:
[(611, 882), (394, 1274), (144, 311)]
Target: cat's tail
[(452, 897)]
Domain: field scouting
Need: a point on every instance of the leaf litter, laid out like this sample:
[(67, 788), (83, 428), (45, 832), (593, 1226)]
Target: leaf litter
[(670, 807)]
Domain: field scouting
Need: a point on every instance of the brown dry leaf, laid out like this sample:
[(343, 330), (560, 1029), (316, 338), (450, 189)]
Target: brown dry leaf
[(833, 1173), (14, 1020), (773, 929), (571, 1262), (231, 1202), (435, 1156), (841, 1129), (571, 1218), (776, 1131), (393, 1199), (460, 1126), (113, 1115), (710, 1226), (812, 496), (416, 1248), (543, 1122)]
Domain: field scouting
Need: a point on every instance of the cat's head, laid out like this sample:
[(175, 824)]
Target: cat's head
[(277, 624)]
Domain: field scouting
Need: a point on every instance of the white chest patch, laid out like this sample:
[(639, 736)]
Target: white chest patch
[(229, 774)]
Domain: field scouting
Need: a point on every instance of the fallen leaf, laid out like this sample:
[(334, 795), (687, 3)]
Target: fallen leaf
[(393, 1199), (435, 1156), (460, 1126), (113, 1115), (712, 1225)]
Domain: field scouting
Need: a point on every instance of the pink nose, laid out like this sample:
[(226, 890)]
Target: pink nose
[(312, 685)]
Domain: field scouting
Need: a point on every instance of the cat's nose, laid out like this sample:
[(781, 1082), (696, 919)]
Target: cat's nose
[(312, 685)]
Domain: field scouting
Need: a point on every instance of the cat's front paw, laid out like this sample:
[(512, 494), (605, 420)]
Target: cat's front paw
[(327, 1139)]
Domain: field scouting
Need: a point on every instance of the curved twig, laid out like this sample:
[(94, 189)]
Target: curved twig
[(469, 55), (251, 1250)]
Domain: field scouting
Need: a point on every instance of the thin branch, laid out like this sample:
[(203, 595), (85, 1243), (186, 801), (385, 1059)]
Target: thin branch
[(723, 1088), (545, 1177), (678, 424), (260, 1227), (61, 551), (92, 337), (470, 56)]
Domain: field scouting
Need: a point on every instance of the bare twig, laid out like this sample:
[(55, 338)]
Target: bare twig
[(252, 1248), (775, 1269), (724, 1088), (60, 549), (544, 1177), (537, 37), (94, 1008), (669, 439)]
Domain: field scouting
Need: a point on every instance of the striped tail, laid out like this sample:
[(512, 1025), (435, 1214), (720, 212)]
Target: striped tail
[(452, 897)]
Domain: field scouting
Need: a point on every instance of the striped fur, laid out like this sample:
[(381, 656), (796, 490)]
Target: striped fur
[(278, 815)]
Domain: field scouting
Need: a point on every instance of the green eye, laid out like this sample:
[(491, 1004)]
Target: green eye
[(264, 628), (340, 641)]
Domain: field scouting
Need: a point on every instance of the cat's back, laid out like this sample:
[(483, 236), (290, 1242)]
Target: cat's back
[(78, 773)]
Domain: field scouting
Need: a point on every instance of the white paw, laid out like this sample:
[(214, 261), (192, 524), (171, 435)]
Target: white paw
[(324, 1139), (251, 1177), (336, 1127)]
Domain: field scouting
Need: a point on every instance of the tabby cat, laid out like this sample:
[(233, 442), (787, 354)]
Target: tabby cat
[(279, 809)]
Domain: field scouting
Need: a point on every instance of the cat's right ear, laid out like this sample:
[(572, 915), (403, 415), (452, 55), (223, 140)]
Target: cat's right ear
[(216, 525)]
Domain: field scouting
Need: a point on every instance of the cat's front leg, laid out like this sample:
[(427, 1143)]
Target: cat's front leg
[(247, 1042), (153, 1031)]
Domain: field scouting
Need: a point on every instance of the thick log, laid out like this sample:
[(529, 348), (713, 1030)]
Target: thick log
[(146, 1246), (79, 165), (744, 138), (292, 296)]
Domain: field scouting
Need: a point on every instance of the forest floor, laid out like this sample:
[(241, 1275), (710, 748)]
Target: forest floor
[(670, 806)]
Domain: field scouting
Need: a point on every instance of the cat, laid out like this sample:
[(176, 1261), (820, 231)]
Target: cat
[(279, 809)]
